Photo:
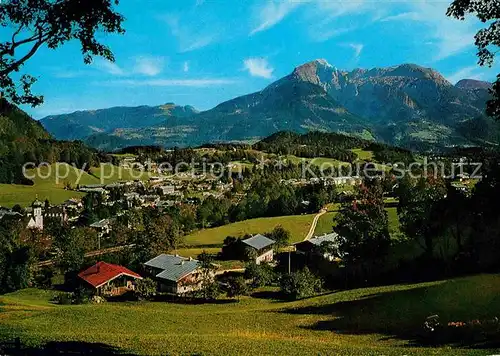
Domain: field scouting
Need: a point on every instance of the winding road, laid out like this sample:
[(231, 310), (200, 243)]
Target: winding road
[(314, 223)]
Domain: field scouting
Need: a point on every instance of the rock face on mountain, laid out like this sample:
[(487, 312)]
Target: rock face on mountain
[(468, 84), (406, 105)]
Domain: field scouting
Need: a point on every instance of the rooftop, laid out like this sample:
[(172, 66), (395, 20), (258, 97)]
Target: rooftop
[(103, 272), (173, 267), (258, 242), (318, 240)]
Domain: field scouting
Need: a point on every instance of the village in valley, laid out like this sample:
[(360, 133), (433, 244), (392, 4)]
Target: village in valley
[(196, 178)]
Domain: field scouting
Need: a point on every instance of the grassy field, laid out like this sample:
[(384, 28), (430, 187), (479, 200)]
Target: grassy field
[(362, 154), (298, 225), (369, 321), (325, 222), (108, 173), (47, 186), (392, 216)]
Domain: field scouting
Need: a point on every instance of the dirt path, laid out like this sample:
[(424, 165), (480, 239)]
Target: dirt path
[(314, 223)]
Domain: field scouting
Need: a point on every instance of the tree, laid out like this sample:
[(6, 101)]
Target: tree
[(261, 275), (363, 229), (237, 287), (145, 289), (417, 210), (209, 287), (50, 23), (300, 284), (281, 236), (71, 247), (161, 234), (487, 11)]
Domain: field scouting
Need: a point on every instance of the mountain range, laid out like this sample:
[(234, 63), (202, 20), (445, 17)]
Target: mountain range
[(406, 105)]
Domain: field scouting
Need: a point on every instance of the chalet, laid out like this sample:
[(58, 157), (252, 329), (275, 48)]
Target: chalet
[(174, 274), (263, 247), (108, 279), (103, 227), (315, 247), (167, 189)]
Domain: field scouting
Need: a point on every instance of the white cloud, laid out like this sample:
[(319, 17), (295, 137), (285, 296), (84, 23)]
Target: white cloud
[(413, 16), (358, 48), (258, 67), (272, 13), (321, 36), (109, 67), (470, 72), (185, 67), (203, 82), (448, 35), (147, 65), (189, 39)]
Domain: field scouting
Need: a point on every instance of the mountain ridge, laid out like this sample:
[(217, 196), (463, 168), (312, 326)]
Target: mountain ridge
[(405, 105)]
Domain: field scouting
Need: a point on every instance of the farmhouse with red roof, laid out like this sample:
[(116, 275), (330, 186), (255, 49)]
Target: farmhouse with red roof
[(108, 279)]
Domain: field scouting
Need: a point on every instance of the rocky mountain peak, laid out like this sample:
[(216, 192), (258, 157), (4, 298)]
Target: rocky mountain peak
[(473, 84)]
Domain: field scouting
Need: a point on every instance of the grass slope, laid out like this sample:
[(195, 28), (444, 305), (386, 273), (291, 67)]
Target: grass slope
[(47, 186), (369, 321), (298, 225), (325, 222)]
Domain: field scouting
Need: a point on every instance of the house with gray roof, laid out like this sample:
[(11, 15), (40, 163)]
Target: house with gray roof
[(318, 245), (174, 274), (263, 247)]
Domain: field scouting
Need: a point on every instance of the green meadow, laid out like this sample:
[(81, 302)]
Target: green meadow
[(50, 183), (298, 225), (369, 321), (46, 185)]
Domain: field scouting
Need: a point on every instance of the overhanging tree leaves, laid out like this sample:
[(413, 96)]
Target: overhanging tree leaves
[(363, 229), (487, 39), (50, 23)]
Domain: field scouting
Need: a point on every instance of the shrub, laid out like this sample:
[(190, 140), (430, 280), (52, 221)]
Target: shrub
[(43, 278), (82, 295), (301, 284), (63, 299), (261, 275), (236, 287), (145, 289)]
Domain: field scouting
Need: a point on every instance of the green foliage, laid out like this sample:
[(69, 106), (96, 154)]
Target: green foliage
[(43, 277), (23, 139), (261, 274), (312, 144), (486, 39), (51, 24), (280, 235), (363, 229), (300, 284), (417, 209), (209, 288), (161, 234), (70, 246), (16, 258), (145, 289), (237, 286), (63, 298)]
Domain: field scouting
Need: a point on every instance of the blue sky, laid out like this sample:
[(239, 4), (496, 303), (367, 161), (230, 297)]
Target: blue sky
[(203, 52)]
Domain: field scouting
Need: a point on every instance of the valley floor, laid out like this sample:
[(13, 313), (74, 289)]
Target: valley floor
[(381, 320)]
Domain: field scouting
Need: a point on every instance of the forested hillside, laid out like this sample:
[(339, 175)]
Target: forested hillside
[(23, 139), (332, 145)]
